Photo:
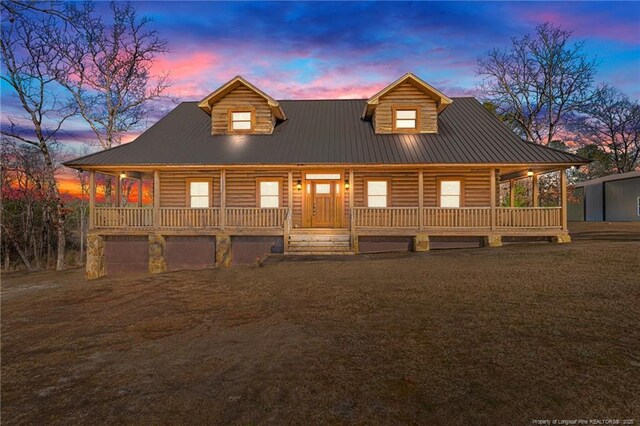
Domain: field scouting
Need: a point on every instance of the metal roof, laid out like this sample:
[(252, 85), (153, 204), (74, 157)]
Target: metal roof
[(609, 178), (329, 132)]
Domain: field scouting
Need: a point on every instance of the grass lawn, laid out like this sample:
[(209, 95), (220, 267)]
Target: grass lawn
[(475, 336)]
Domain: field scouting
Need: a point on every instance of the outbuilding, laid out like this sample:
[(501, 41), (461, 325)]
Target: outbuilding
[(613, 198)]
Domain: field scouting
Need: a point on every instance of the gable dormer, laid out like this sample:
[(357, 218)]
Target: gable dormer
[(408, 105), (239, 107)]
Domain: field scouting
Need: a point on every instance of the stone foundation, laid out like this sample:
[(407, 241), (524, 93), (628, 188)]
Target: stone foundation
[(157, 254), (561, 238), (95, 257), (421, 242), (493, 241), (223, 251)]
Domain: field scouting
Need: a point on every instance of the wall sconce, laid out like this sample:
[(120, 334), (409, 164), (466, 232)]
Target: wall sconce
[(123, 175), (346, 184), (299, 185), (530, 173)]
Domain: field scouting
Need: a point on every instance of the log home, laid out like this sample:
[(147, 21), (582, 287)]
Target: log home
[(239, 175)]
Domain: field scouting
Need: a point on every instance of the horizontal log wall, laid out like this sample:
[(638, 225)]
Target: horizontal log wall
[(406, 94), (404, 187), (240, 98), (173, 186), (241, 188), (476, 184)]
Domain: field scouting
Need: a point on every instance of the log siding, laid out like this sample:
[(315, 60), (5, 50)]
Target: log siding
[(406, 96)]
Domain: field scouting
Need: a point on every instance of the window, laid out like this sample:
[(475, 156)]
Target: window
[(199, 194), (450, 193), (269, 193), (377, 192), (323, 176), (405, 119), (241, 120)]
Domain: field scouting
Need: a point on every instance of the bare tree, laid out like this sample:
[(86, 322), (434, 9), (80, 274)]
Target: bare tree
[(26, 59), (537, 82), (611, 121), (108, 70)]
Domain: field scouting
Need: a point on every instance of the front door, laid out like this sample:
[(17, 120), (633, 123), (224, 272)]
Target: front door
[(323, 208)]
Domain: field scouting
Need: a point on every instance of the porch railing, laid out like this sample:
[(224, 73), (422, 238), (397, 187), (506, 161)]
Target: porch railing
[(463, 217), (122, 217), (529, 217), (456, 218), (255, 217), (385, 217), (361, 217), (185, 217)]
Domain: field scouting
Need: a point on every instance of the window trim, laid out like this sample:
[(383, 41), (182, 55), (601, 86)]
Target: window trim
[(199, 180), (280, 190), (366, 190), (396, 108), (250, 110), (441, 179)]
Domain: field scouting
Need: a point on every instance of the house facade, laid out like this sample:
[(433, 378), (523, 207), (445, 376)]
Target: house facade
[(239, 175)]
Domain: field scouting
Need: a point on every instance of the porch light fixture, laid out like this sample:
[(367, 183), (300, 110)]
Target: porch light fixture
[(299, 185), (123, 175), (346, 184), (530, 173)]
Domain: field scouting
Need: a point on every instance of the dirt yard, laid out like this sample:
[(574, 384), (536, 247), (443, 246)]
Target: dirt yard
[(475, 336)]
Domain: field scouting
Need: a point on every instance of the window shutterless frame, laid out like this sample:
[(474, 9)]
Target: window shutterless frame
[(377, 179), (278, 180), (239, 111), (400, 109), (209, 183), (439, 181)]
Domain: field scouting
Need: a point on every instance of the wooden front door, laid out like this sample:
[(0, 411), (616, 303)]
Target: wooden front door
[(323, 199)]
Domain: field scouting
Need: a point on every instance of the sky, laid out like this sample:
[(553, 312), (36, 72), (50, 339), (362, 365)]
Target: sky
[(304, 50)]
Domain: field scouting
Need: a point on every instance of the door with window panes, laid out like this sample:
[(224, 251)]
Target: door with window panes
[(322, 200)]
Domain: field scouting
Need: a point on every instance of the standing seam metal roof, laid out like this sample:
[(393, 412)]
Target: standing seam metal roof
[(329, 132)]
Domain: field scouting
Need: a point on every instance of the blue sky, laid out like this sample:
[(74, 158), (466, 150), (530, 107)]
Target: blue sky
[(296, 50)]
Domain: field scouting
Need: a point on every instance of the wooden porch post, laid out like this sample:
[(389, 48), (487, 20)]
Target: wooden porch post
[(352, 228), (563, 189), (140, 192), (156, 198), (420, 198), (118, 190), (92, 197), (512, 193), (223, 198), (290, 192), (535, 189), (492, 186)]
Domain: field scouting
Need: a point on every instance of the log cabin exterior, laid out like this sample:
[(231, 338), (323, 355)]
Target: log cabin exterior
[(239, 175)]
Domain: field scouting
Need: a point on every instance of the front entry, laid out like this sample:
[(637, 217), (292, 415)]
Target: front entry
[(322, 203), (323, 196)]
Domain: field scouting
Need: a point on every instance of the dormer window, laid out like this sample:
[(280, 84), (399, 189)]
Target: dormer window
[(241, 120), (405, 119)]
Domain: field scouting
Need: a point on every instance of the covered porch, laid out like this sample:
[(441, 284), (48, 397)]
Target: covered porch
[(500, 215)]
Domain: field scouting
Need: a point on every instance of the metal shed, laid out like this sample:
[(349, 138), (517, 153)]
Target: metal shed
[(613, 198)]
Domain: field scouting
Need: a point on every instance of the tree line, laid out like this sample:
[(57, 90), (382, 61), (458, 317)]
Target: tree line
[(543, 86), (65, 60)]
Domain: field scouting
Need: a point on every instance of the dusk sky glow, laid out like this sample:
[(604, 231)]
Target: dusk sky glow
[(352, 50)]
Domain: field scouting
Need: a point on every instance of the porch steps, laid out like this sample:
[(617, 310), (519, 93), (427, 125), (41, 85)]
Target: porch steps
[(317, 241)]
